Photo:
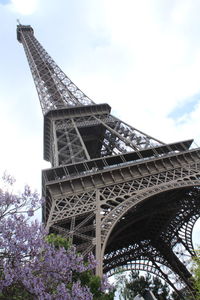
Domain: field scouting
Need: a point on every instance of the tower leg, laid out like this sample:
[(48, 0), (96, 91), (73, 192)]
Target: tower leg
[(176, 265), (99, 258)]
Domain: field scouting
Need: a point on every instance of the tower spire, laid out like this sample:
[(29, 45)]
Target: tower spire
[(54, 88), (112, 189)]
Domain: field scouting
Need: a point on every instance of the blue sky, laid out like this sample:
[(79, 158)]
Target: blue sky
[(185, 108), (142, 57)]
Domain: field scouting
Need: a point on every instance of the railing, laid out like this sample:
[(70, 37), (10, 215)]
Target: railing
[(99, 164)]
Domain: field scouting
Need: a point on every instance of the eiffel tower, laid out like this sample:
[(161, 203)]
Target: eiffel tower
[(113, 190)]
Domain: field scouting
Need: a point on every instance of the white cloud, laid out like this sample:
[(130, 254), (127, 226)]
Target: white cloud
[(163, 67), (181, 11), (24, 7)]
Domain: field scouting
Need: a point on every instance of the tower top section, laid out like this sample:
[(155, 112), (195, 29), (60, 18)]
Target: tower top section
[(75, 128), (55, 90), (23, 28)]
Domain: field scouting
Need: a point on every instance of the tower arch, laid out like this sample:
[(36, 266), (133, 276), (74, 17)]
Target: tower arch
[(150, 232)]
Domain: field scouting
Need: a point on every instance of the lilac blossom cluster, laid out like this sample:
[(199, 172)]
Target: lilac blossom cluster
[(28, 261)]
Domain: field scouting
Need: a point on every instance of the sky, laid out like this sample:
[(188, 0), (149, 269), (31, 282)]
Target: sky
[(141, 57)]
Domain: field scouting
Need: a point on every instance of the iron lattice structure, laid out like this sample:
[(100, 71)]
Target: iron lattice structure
[(112, 189)]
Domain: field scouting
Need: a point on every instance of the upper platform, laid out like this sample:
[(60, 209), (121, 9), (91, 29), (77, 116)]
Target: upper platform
[(24, 28)]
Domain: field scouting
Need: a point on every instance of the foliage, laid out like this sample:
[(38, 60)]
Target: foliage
[(58, 241), (196, 270), (35, 266), (135, 284), (95, 284)]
